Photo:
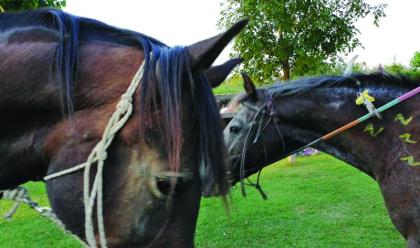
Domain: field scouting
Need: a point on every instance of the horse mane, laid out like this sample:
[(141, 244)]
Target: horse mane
[(306, 84), (71, 30), (85, 29), (377, 79), (163, 90)]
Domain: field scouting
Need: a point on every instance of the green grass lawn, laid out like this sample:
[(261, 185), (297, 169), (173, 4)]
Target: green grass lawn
[(233, 85), (316, 202)]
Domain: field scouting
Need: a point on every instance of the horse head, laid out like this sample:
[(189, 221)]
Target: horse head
[(159, 162), (251, 138)]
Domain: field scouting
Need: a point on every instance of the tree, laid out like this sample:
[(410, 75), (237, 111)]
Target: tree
[(395, 68), (16, 5), (295, 36), (415, 61)]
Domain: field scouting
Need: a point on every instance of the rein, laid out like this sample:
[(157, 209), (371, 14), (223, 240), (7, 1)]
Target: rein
[(268, 106), (258, 119)]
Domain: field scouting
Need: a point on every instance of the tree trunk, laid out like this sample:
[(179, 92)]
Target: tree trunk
[(286, 70)]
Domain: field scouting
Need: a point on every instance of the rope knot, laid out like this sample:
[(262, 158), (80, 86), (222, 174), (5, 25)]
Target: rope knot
[(101, 154), (124, 103)]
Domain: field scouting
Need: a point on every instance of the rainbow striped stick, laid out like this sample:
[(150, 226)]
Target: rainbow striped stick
[(361, 119)]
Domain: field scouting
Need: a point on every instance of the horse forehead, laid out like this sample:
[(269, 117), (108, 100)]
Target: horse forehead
[(145, 161)]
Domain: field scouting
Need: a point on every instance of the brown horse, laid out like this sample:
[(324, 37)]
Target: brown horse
[(273, 122), (61, 77)]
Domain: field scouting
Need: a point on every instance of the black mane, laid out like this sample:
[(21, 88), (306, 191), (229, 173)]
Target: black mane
[(373, 80), (72, 30), (85, 29)]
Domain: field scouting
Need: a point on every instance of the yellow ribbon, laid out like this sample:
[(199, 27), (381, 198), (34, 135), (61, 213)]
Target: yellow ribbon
[(410, 161), (407, 138), (405, 122), (364, 96), (371, 130)]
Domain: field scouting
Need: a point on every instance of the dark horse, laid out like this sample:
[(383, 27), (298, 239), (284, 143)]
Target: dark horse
[(61, 77), (273, 122)]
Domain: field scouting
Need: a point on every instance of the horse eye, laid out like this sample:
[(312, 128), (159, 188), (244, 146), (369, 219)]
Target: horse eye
[(165, 187), (235, 129)]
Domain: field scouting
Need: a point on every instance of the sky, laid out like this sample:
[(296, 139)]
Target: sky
[(397, 37), (184, 22)]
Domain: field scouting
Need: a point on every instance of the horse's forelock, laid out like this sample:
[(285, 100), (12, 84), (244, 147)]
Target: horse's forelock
[(162, 85), (161, 88)]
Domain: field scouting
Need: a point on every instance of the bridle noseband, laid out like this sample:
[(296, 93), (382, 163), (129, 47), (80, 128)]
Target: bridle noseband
[(259, 125)]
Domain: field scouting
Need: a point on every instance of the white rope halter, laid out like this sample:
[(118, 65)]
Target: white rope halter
[(98, 155)]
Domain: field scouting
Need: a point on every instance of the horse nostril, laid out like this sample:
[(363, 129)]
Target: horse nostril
[(235, 129)]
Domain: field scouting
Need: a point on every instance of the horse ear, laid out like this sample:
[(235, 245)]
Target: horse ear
[(217, 74), (249, 87), (205, 52)]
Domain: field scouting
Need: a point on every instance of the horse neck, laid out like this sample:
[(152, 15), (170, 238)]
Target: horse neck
[(30, 102), (322, 110)]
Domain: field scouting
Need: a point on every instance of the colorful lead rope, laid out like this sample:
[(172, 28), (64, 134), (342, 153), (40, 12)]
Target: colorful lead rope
[(349, 125)]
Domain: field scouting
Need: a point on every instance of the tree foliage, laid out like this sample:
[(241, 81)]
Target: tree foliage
[(395, 68), (295, 36), (16, 5), (415, 61)]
